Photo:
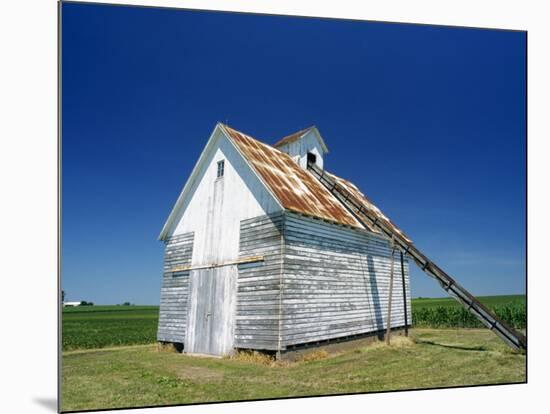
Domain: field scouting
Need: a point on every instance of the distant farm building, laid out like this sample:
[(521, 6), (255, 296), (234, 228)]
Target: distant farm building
[(71, 303), (260, 255)]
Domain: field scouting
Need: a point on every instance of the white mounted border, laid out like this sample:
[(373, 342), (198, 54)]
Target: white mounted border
[(29, 159), (471, 13)]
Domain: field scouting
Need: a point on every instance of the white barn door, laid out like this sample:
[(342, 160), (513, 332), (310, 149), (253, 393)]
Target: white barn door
[(211, 325)]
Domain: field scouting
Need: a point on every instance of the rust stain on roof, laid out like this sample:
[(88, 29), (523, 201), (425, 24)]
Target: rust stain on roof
[(367, 205), (291, 138), (296, 189)]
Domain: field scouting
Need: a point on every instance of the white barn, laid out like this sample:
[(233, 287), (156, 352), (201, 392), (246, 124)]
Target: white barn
[(260, 255)]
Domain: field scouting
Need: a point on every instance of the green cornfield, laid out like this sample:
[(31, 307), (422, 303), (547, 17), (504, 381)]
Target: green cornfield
[(104, 326), (446, 316)]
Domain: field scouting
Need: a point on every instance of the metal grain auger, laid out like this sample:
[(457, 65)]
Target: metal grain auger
[(365, 216)]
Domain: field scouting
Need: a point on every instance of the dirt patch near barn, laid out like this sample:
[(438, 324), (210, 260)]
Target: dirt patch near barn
[(339, 346)]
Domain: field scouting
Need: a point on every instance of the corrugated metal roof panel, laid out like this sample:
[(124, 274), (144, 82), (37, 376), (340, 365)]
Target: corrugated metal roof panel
[(367, 204), (296, 189)]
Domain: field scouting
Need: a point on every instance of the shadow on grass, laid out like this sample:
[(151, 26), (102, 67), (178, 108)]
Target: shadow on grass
[(462, 348)]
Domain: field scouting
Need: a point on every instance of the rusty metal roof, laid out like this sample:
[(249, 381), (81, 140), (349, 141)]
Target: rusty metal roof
[(367, 204), (296, 189), (292, 137)]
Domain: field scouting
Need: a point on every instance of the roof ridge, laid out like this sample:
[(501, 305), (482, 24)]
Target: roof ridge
[(292, 137), (271, 147)]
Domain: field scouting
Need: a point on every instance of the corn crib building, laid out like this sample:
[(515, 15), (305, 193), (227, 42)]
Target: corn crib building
[(259, 255)]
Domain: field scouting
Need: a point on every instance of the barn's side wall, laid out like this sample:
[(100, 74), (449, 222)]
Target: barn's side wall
[(175, 289), (336, 282), (258, 291)]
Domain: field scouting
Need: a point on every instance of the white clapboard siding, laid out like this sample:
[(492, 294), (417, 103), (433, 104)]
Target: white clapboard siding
[(336, 282), (258, 291), (319, 281), (175, 289)]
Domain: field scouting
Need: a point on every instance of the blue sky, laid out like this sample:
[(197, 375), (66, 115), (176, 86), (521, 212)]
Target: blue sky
[(428, 121)]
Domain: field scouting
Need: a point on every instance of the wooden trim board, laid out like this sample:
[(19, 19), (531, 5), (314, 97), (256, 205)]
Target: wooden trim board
[(248, 259)]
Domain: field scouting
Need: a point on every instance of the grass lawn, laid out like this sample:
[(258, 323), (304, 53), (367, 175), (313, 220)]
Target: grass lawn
[(141, 375)]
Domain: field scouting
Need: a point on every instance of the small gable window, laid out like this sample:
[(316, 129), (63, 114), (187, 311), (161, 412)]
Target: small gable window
[(221, 167), (311, 158)]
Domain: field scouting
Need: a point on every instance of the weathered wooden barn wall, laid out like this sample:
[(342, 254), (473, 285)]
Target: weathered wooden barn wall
[(258, 292), (212, 208), (319, 281), (336, 282), (175, 289)]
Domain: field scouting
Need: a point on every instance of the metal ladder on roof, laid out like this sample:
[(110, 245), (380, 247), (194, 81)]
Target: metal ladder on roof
[(510, 336)]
